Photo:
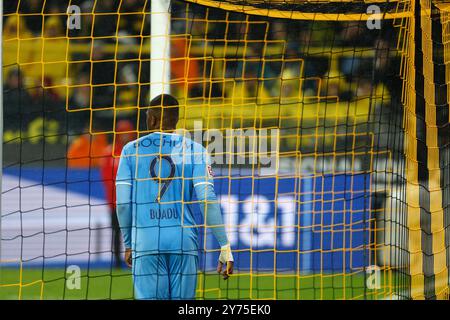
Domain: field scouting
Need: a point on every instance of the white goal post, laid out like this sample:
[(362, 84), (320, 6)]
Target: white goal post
[(160, 48)]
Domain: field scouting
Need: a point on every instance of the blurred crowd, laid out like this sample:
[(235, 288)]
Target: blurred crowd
[(338, 61)]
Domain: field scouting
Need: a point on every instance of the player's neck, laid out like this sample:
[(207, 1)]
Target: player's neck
[(171, 130)]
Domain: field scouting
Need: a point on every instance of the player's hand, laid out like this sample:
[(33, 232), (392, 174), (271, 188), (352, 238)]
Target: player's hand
[(128, 257), (225, 259)]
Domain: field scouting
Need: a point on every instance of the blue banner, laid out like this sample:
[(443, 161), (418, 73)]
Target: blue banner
[(302, 224), (305, 224)]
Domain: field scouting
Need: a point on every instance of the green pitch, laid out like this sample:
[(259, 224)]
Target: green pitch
[(116, 284)]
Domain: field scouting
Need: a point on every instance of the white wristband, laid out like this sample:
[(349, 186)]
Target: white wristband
[(225, 254)]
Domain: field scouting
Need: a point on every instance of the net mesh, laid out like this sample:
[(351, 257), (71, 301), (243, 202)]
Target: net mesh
[(329, 210)]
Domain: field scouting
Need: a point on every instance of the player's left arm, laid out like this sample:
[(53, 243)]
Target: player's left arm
[(124, 188), (204, 189)]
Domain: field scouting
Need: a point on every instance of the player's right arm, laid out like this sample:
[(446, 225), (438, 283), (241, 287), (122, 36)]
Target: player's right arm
[(204, 190), (124, 188)]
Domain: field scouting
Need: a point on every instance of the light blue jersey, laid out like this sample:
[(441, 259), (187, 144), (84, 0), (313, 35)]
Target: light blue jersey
[(155, 184), (164, 170)]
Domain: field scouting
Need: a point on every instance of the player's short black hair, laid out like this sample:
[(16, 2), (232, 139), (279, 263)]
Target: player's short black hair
[(165, 107)]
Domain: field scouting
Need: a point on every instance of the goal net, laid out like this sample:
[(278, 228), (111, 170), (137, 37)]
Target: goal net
[(327, 123)]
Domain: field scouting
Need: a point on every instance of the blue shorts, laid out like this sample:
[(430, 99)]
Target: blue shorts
[(165, 276)]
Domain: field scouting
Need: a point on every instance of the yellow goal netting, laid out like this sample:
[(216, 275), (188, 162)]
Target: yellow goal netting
[(328, 123)]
